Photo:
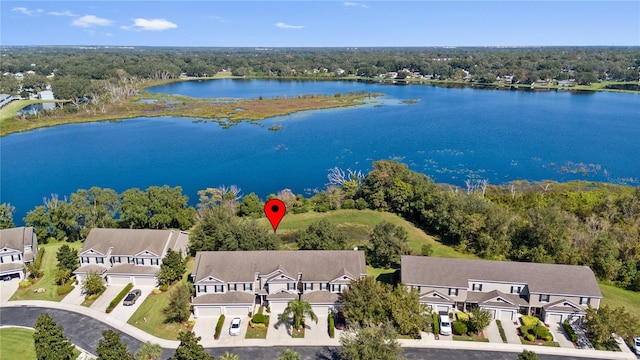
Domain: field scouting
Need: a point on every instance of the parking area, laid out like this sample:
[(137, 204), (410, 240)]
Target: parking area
[(103, 301), (75, 297), (205, 327), (231, 340), (560, 336), (122, 312), (7, 288)]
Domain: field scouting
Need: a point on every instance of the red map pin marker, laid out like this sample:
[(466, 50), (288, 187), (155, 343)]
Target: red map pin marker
[(275, 210)]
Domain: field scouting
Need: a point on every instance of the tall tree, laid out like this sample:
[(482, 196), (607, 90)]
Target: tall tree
[(149, 351), (189, 348), (49, 339), (67, 258), (172, 268), (366, 302), (387, 243), (6, 216), (321, 235), (110, 347), (298, 309), (179, 306), (93, 284), (370, 342), (251, 206)]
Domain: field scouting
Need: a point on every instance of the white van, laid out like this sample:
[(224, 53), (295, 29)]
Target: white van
[(445, 324)]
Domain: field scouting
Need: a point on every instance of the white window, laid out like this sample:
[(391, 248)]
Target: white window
[(202, 289), (154, 261), (248, 287), (584, 301), (233, 287), (308, 286), (336, 287), (323, 286), (453, 292), (218, 288), (100, 260), (544, 297), (291, 286), (84, 260), (139, 261), (130, 260), (516, 289), (115, 259), (476, 287)]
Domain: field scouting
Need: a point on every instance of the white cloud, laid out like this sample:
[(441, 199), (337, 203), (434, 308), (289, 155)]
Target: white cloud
[(351, 3), (282, 25), (88, 21), (218, 18), (151, 24), (23, 10), (61, 13)]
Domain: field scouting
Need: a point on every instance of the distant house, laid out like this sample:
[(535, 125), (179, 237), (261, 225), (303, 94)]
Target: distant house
[(19, 75), (339, 71), (553, 292), (47, 95), (18, 246), (569, 82), (5, 99), (233, 282), (125, 256)]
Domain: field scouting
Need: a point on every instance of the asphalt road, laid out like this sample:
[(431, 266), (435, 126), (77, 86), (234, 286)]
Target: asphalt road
[(85, 332)]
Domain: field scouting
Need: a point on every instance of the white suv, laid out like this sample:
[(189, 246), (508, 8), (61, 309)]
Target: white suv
[(636, 345), (445, 325)]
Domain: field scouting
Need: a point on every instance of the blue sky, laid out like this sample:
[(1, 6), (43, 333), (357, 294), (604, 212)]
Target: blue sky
[(320, 23)]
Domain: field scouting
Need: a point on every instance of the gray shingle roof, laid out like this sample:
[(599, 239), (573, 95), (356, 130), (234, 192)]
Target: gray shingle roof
[(233, 297), (540, 278), (128, 241), (133, 269), (90, 269), (241, 266), (16, 238), (320, 297)]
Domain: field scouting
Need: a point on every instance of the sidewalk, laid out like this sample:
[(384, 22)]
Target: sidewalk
[(277, 337)]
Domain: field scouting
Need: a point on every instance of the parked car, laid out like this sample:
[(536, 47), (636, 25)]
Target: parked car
[(636, 345), (234, 328), (6, 278), (445, 324), (131, 298), (339, 321)]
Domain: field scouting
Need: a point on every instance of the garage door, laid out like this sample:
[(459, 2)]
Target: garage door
[(507, 315), (442, 308), (237, 311), (118, 280), (554, 318), (207, 311), (277, 308), (145, 281), (321, 310)]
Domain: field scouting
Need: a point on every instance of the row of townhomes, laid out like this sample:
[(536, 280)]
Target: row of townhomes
[(233, 283), (18, 247)]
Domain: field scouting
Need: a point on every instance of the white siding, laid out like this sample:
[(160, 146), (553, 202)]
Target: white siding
[(507, 315), (321, 311)]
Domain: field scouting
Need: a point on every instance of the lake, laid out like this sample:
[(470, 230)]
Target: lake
[(449, 134)]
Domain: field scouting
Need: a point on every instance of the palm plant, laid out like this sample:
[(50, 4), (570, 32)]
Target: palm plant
[(229, 356), (298, 309), (149, 351)]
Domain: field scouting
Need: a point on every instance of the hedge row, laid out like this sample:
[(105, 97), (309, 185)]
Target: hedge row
[(219, 327), (569, 330), (332, 326), (501, 330), (38, 261), (119, 297), (436, 324)]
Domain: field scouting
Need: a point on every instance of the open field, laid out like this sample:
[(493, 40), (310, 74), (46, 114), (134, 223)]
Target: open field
[(614, 296), (150, 316), (47, 281), (17, 341)]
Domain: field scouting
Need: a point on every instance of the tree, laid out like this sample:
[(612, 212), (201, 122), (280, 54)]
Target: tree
[(62, 275), (479, 319), (149, 351), (387, 243), (251, 206), (528, 355), (407, 313), (370, 342), (33, 270), (67, 258), (70, 87), (179, 307), (156, 208), (288, 354), (172, 268), (321, 235), (366, 302), (49, 339), (298, 309), (601, 323), (189, 348), (110, 347), (93, 284), (6, 216), (229, 356)]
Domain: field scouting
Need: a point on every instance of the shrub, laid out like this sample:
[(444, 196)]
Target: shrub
[(157, 291), (462, 316), (257, 326), (436, 324), (530, 321), (503, 336), (25, 283), (569, 330), (260, 309), (268, 309), (219, 327), (65, 289), (541, 332), (530, 337), (348, 204), (451, 316), (164, 287), (38, 261), (119, 297), (332, 326), (548, 338), (459, 327), (260, 319)]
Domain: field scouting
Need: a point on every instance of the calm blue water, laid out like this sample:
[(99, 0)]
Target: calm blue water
[(450, 134)]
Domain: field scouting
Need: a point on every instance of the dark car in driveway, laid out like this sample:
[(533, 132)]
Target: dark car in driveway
[(340, 321), (131, 298)]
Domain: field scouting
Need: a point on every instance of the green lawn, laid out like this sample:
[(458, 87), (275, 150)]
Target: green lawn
[(15, 341), (470, 338), (47, 281), (9, 112), (614, 296), (150, 316)]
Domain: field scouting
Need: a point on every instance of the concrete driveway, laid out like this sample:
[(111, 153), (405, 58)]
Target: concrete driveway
[(229, 340), (511, 332), (75, 297), (122, 312), (103, 301), (560, 336), (7, 288), (205, 327)]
